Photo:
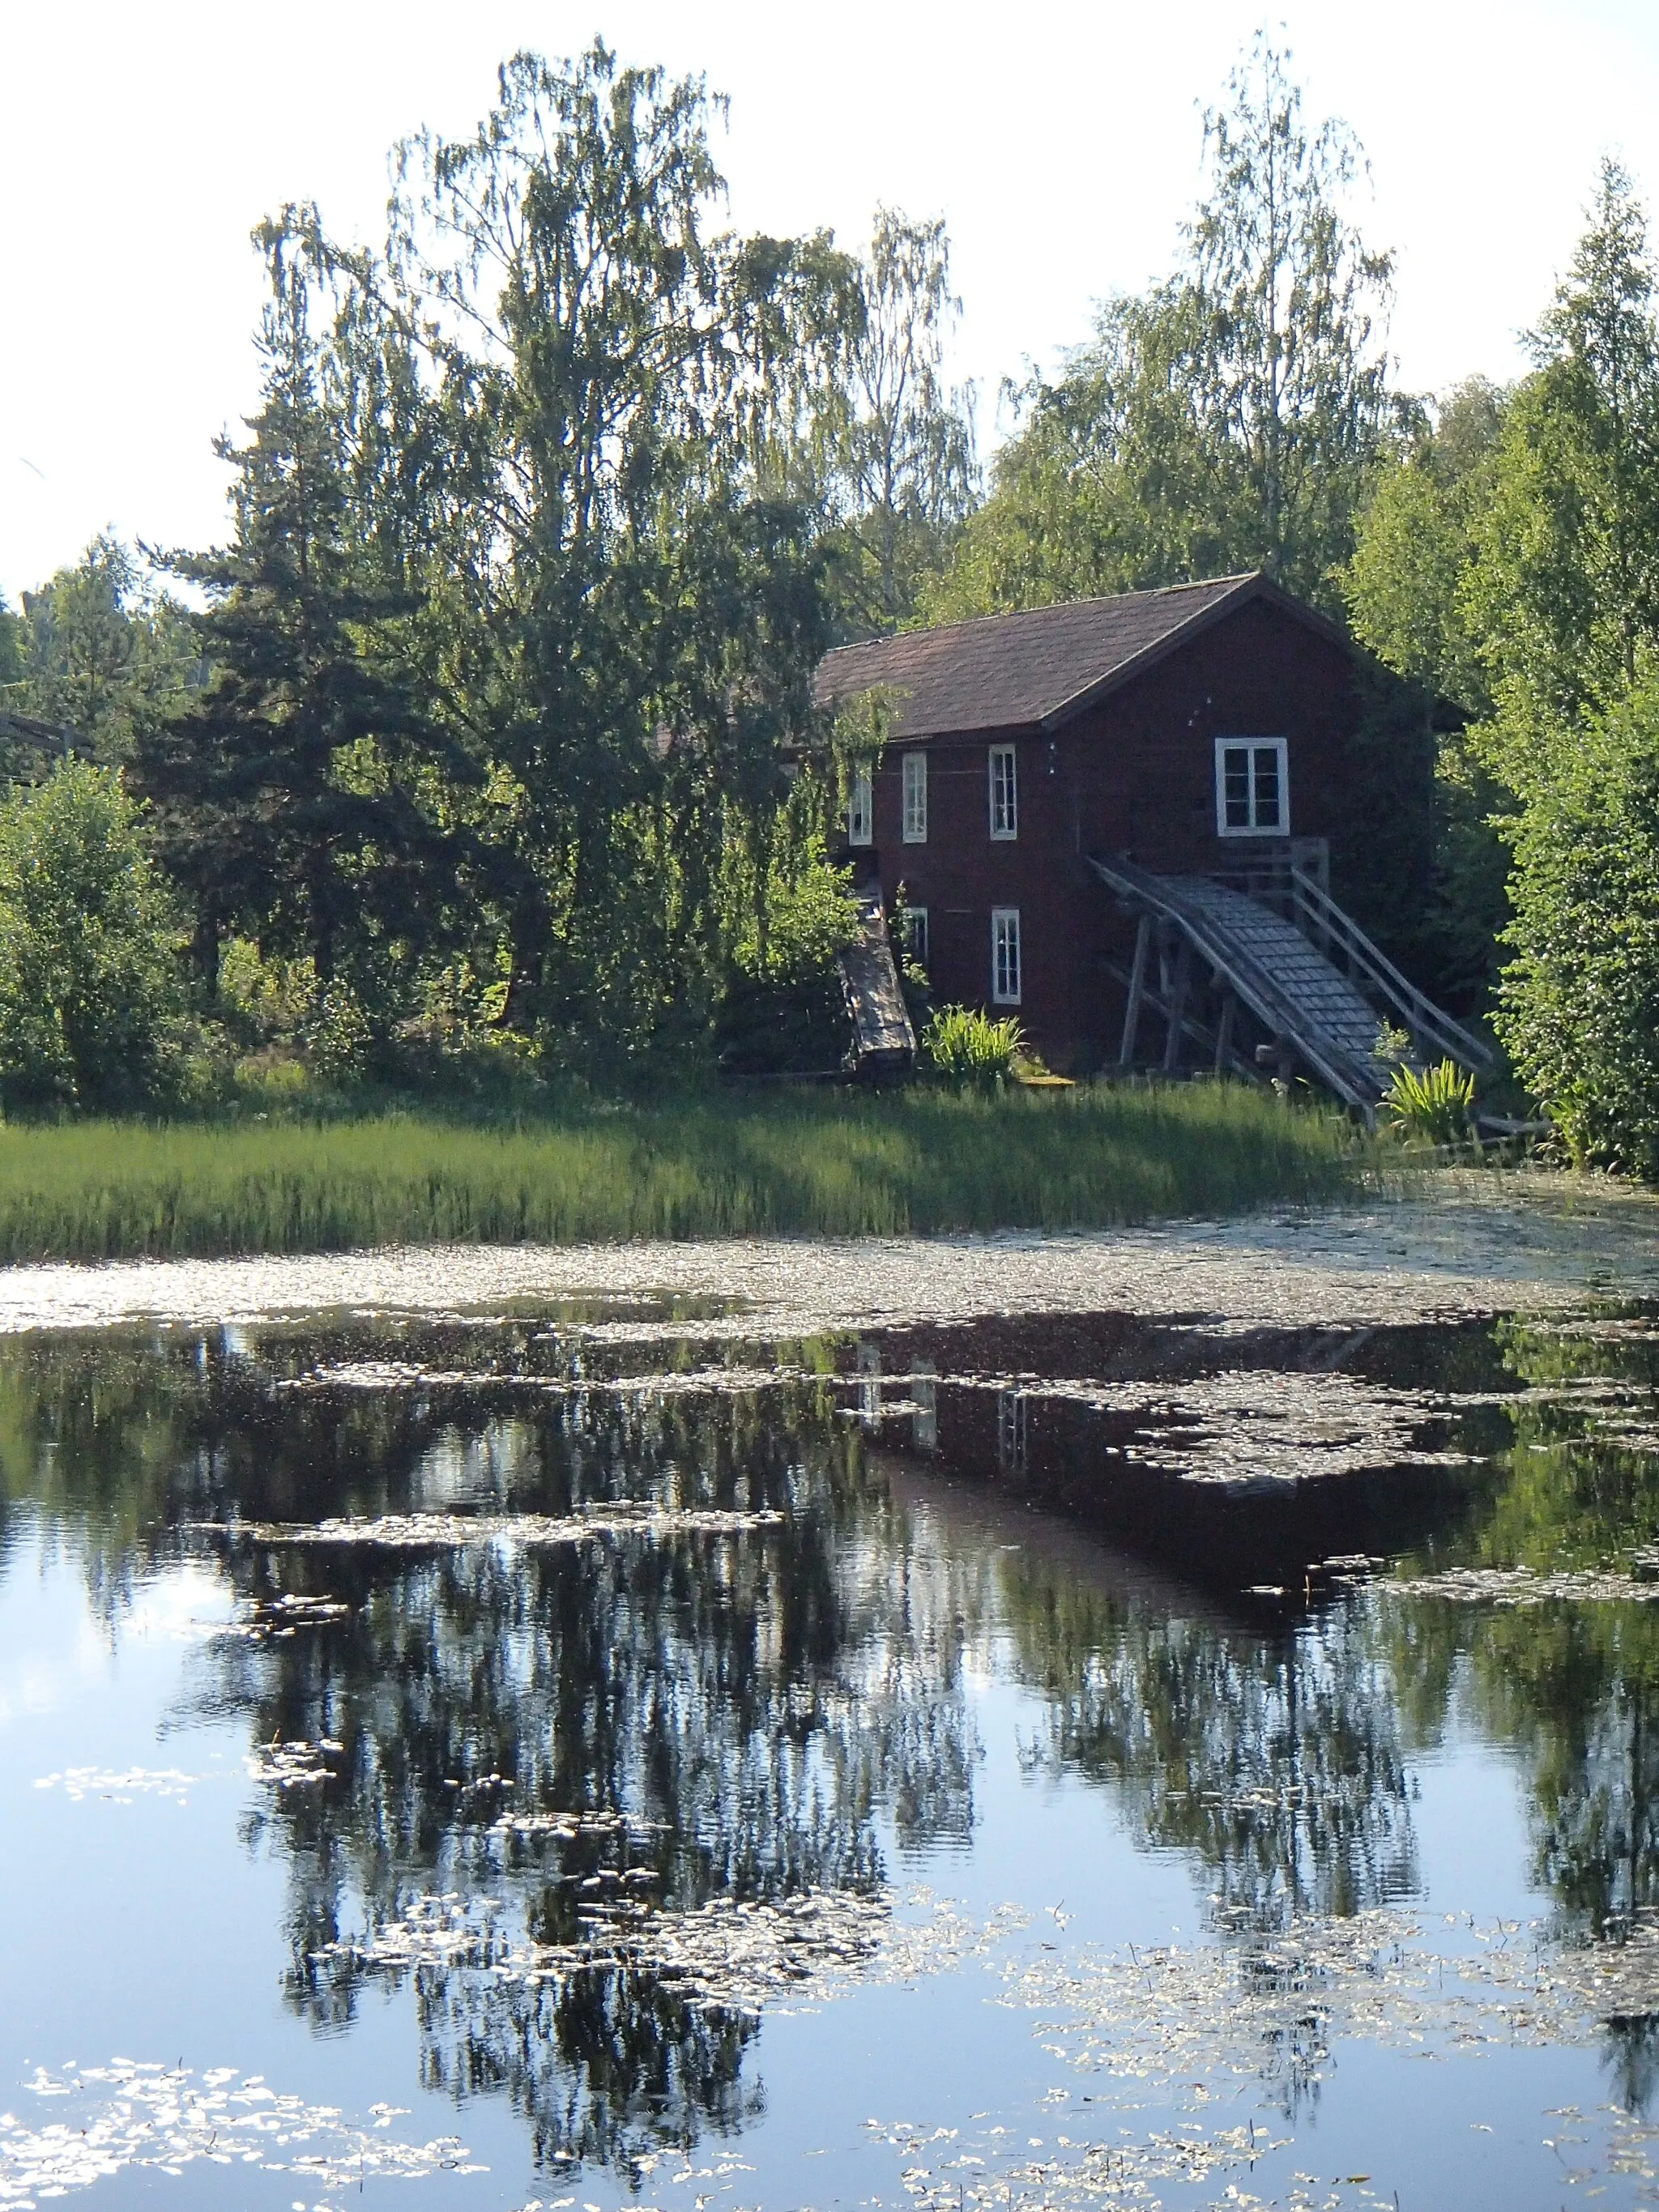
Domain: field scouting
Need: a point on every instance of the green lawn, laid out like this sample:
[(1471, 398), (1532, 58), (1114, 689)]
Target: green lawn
[(818, 1163)]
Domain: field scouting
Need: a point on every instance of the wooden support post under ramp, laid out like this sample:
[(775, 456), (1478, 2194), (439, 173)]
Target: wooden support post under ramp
[(1184, 976), (1137, 989), (1223, 1033)]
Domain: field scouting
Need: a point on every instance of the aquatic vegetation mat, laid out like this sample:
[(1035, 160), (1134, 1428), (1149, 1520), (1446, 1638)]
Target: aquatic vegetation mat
[(448, 1531), (162, 2120)]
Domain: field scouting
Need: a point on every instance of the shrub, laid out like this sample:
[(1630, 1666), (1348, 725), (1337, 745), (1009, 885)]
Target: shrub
[(1434, 1106), (1579, 1005), (965, 1046), (90, 984)]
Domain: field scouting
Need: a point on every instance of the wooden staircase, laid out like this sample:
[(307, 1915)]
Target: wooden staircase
[(1309, 978), (883, 1039)]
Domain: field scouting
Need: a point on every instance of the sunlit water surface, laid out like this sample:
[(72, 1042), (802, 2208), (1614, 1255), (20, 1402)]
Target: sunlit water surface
[(558, 1760)]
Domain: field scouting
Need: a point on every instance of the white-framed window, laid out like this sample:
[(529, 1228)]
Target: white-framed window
[(860, 809), (916, 932), (1252, 787), (1005, 794), (1004, 955), (916, 799)]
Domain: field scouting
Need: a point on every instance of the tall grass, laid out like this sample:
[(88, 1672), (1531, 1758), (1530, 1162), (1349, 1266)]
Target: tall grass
[(816, 1164)]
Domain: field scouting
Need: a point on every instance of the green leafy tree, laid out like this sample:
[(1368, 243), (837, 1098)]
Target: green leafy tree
[(626, 607), (11, 651), (1563, 595), (905, 470), (89, 981), (1230, 417), (96, 654), (1579, 1005), (1405, 593)]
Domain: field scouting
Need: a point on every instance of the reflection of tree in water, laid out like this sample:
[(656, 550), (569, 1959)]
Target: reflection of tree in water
[(1274, 1759), (766, 1698), (762, 1698), (770, 1698), (605, 2067)]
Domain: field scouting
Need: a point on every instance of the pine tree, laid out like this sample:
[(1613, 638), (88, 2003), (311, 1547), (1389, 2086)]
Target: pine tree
[(284, 791)]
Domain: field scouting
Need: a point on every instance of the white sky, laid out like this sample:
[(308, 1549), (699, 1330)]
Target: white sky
[(139, 143)]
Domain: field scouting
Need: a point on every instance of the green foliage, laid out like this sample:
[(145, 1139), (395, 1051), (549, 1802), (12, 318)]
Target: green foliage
[(1579, 1005), (964, 1045), (297, 795), (1564, 592), (1229, 418), (1433, 1104), (89, 987), (1406, 587), (97, 654), (12, 637), (846, 1164), (904, 477)]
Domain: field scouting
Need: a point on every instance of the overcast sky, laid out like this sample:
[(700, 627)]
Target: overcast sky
[(139, 143)]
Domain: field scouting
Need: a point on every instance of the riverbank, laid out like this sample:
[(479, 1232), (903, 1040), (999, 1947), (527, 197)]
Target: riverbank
[(816, 1164), (1452, 1244)]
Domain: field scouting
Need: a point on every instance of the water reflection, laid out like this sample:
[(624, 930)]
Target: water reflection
[(776, 1707)]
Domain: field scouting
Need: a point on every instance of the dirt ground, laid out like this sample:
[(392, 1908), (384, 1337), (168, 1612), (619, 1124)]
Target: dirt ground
[(1452, 1244)]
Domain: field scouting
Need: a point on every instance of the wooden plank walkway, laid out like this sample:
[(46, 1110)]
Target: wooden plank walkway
[(1259, 959), (882, 1034), (1336, 1007)]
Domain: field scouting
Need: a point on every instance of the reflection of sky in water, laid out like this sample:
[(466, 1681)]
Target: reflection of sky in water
[(927, 1674)]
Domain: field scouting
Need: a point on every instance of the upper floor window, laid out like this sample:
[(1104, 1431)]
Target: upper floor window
[(916, 799), (1252, 787), (1005, 796), (860, 809), (1004, 955)]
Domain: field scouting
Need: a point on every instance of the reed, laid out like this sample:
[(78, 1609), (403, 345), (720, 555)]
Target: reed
[(828, 1164)]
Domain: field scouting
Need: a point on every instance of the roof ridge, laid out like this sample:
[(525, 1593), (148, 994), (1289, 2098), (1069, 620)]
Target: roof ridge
[(1055, 606)]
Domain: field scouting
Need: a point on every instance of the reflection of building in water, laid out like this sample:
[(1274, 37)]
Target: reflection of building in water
[(473, 1466), (924, 1392), (870, 1386), (1013, 1430)]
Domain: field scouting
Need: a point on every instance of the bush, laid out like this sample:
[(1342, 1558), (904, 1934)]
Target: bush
[(1579, 1006), (91, 993), (965, 1046), (1434, 1107)]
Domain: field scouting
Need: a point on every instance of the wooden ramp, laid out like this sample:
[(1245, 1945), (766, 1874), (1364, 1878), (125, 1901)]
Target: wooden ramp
[(1309, 978), (883, 1038)]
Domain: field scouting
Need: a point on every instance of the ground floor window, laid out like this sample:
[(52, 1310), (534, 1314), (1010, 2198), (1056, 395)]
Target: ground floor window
[(860, 809), (913, 927), (1004, 955)]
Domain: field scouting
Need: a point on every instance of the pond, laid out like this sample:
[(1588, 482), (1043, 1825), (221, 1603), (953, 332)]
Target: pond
[(586, 1753)]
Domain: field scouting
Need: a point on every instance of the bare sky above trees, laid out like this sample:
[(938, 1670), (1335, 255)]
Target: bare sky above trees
[(138, 147)]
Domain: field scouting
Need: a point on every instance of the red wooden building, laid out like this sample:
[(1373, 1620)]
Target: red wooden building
[(1079, 800)]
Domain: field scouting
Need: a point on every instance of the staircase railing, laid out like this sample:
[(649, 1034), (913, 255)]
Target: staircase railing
[(1337, 935), (1273, 1006)]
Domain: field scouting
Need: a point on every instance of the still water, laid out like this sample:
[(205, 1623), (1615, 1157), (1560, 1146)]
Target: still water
[(575, 1757)]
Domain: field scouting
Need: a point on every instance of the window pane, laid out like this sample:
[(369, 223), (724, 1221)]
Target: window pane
[(1004, 815), (1236, 786), (1266, 787), (1004, 955), (916, 799), (916, 932), (859, 808)]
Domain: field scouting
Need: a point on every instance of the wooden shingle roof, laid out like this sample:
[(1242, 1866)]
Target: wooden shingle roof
[(1038, 668)]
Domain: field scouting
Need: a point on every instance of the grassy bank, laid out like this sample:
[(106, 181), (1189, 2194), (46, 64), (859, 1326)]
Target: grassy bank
[(828, 1163)]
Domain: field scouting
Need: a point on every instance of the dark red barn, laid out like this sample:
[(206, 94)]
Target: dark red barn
[(1085, 805)]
